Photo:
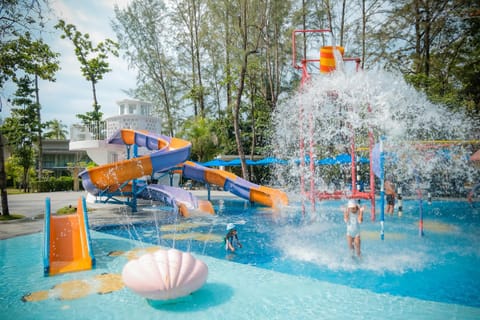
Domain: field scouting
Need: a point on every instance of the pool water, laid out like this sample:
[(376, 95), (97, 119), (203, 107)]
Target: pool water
[(290, 267), (440, 266)]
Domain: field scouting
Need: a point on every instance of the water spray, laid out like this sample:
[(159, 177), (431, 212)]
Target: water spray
[(420, 206), (400, 201), (382, 190)]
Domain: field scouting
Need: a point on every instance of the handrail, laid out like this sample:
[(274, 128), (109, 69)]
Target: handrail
[(46, 242)]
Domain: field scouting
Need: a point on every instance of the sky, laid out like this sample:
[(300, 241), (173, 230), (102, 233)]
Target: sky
[(71, 93)]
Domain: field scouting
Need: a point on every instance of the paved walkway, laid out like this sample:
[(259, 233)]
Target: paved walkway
[(32, 206)]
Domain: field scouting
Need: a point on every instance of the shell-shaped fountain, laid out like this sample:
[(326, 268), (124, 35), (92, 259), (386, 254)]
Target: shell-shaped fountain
[(165, 274)]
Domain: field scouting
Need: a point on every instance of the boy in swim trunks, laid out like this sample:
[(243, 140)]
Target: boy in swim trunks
[(390, 192), (353, 217)]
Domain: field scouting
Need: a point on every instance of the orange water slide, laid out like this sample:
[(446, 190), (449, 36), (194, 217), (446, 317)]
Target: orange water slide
[(67, 241), (230, 182), (167, 152)]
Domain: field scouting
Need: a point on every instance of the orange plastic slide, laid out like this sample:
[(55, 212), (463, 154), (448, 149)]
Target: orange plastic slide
[(230, 182), (68, 242)]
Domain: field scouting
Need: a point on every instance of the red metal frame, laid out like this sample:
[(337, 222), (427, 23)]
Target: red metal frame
[(313, 195)]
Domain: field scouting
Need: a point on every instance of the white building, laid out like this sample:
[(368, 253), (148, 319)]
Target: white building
[(132, 114)]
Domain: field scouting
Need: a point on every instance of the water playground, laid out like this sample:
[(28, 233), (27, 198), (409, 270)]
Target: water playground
[(418, 263)]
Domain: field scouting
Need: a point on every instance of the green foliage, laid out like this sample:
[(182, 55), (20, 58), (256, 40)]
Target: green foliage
[(11, 217), (67, 210), (19, 53), (437, 47), (54, 184), (93, 61), (14, 171), (223, 129), (30, 56), (145, 31), (19, 129), (204, 141), (55, 129)]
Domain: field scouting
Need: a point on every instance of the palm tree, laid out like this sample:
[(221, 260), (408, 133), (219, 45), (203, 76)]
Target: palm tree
[(55, 130)]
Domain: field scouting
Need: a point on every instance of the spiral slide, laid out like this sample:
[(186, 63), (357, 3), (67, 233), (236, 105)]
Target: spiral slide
[(67, 245), (168, 153)]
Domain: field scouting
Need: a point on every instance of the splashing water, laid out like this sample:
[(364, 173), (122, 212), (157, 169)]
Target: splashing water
[(331, 109), (423, 144)]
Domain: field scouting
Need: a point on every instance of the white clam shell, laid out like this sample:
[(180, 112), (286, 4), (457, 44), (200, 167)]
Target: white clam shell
[(165, 274)]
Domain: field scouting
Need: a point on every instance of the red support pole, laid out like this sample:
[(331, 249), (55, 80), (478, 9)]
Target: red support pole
[(371, 141), (312, 164), (354, 169), (305, 77)]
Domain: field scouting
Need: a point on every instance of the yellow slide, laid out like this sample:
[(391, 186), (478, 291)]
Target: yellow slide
[(67, 244)]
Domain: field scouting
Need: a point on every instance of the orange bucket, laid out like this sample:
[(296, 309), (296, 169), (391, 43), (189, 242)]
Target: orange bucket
[(327, 58)]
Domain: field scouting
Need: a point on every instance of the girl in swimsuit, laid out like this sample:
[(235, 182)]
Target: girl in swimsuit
[(353, 217)]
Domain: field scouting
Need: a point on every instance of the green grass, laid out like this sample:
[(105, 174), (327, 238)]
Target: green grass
[(67, 210), (15, 191), (11, 217)]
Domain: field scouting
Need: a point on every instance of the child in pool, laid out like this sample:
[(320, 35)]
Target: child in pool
[(231, 239), (353, 217)]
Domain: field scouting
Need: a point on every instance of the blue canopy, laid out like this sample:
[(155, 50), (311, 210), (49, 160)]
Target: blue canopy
[(270, 160), (214, 163), (236, 162), (340, 159)]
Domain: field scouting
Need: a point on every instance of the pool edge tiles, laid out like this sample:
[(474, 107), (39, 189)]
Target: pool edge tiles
[(232, 290)]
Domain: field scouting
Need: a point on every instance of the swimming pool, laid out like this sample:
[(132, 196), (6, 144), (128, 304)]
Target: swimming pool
[(441, 266), (287, 269)]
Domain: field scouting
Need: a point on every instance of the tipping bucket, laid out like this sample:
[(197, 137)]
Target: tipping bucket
[(327, 58)]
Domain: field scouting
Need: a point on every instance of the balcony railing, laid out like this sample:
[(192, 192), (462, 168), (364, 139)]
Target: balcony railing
[(81, 132)]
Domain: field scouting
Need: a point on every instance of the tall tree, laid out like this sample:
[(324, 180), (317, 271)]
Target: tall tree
[(276, 60), (189, 14), (16, 17), (142, 30), (35, 58), (427, 41), (94, 65), (21, 127), (467, 68), (251, 23)]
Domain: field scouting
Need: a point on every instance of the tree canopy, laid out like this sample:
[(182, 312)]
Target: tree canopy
[(229, 59), (218, 69)]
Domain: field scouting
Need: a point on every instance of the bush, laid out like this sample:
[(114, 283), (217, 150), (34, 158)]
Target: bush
[(54, 184)]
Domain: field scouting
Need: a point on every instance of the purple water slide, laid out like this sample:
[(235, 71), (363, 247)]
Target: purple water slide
[(238, 186), (169, 195), (176, 151)]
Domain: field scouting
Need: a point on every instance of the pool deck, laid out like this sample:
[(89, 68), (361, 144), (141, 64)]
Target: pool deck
[(32, 206)]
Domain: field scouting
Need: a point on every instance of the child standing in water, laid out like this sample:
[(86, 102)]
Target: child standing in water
[(353, 217), (391, 195), (231, 238)]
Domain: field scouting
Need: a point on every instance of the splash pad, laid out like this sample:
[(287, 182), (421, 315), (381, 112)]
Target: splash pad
[(353, 113)]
